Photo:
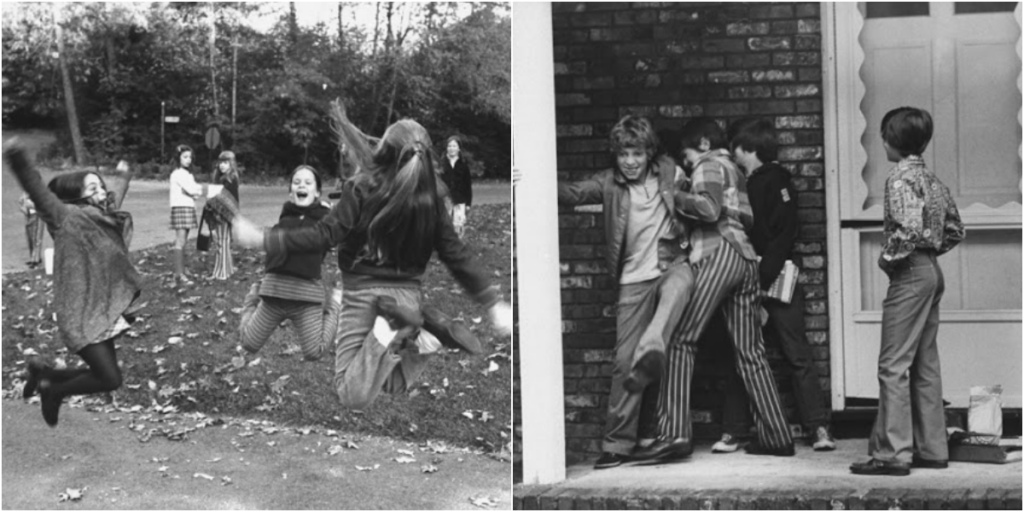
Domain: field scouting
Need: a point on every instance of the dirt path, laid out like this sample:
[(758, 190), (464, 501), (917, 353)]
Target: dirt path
[(281, 470)]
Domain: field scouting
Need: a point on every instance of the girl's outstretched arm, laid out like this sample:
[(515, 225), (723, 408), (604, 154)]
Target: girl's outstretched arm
[(49, 208), (118, 182)]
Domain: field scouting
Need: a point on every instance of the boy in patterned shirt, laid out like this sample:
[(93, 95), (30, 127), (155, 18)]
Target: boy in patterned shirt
[(921, 222)]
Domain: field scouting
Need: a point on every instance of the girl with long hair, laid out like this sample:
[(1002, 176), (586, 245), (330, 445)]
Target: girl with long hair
[(388, 222), (96, 286), (225, 173), (291, 288)]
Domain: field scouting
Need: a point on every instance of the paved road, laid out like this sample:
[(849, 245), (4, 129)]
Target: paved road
[(282, 470), (147, 201)]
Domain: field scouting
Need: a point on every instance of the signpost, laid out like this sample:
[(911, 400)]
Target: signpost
[(165, 119)]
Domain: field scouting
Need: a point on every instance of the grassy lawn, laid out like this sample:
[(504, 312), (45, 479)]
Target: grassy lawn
[(182, 354)]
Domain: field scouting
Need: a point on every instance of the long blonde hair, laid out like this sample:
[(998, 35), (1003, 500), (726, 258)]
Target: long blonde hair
[(400, 215)]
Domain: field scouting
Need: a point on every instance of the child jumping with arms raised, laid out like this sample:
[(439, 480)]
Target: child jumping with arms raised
[(95, 284), (389, 220), (291, 289)]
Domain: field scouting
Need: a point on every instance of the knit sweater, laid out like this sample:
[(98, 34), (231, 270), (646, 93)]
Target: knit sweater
[(94, 279)]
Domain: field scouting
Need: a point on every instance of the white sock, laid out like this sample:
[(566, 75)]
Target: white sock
[(427, 343), (383, 331)]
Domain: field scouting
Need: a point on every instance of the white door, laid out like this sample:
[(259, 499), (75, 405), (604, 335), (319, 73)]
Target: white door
[(961, 62)]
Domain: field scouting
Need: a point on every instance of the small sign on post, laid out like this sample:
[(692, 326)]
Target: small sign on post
[(172, 119), (212, 138)]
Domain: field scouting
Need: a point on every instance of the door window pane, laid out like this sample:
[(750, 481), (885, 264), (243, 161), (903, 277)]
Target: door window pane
[(983, 7), (896, 9)]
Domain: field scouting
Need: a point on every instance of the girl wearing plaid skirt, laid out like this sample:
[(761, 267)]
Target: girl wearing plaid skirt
[(291, 289), (95, 283), (184, 190)]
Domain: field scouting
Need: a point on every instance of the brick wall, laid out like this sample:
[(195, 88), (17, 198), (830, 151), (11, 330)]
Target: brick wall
[(670, 62)]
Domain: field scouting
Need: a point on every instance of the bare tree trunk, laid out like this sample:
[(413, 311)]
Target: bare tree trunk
[(293, 24), (376, 28), (341, 28), (213, 55), (234, 85), (69, 96)]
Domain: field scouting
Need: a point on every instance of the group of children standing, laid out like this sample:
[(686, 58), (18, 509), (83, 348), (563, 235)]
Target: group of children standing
[(683, 244), (390, 219)]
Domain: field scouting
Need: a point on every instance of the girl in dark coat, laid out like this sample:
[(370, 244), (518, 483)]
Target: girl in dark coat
[(292, 289), (95, 283), (455, 174)]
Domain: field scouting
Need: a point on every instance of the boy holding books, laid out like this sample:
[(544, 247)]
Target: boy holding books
[(755, 149)]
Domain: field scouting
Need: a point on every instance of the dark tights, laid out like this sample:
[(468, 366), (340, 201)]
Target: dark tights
[(103, 373)]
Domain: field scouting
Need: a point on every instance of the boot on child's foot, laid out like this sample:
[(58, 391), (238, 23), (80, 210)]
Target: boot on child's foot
[(449, 332), (50, 403), (35, 372)]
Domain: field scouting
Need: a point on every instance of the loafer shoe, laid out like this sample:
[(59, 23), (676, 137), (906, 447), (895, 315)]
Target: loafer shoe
[(665, 449), (646, 370), (756, 448), (918, 462), (450, 333), (610, 460), (880, 467)]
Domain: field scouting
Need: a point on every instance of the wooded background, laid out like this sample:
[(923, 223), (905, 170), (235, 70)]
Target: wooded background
[(96, 74)]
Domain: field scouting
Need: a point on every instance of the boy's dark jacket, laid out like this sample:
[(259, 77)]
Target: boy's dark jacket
[(339, 228), (306, 265), (610, 188), (775, 219)]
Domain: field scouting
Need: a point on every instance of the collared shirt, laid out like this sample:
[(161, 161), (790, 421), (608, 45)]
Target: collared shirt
[(718, 200), (919, 212)]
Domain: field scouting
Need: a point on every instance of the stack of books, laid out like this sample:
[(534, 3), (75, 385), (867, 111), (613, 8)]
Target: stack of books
[(782, 288)]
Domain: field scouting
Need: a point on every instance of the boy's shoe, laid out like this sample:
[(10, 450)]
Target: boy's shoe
[(918, 462), (449, 332), (665, 449), (610, 460), (35, 371), (646, 370), (727, 444), (823, 441), (756, 448), (880, 467)]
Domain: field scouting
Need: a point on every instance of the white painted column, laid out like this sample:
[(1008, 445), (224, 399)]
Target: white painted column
[(536, 218)]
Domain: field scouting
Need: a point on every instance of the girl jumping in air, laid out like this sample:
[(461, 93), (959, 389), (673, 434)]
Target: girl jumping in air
[(388, 222), (95, 284), (291, 288)]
